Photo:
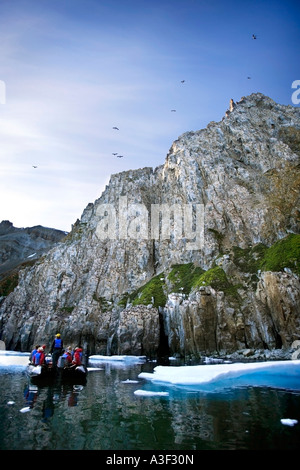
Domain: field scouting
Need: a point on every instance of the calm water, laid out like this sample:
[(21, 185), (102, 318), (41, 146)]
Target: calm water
[(105, 414)]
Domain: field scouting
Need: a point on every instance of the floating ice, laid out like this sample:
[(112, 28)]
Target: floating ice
[(289, 422), (126, 358), (280, 374), (149, 393), (117, 360), (13, 360), (128, 381), (25, 409)]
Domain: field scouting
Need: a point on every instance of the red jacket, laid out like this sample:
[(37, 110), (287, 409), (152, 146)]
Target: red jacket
[(77, 356)]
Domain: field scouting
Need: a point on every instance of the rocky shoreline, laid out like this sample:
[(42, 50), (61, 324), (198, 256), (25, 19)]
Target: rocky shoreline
[(256, 355)]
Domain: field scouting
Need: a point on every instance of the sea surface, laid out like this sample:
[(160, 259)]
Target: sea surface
[(117, 410)]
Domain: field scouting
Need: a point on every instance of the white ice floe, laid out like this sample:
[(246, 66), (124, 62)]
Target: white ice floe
[(118, 361), (126, 358), (149, 393), (14, 359), (202, 376), (25, 409), (289, 422), (128, 381)]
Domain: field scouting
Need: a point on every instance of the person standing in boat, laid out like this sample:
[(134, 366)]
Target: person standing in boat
[(56, 349)]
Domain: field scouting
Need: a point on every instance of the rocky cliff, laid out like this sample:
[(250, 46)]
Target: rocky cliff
[(20, 247), (198, 256), (20, 244)]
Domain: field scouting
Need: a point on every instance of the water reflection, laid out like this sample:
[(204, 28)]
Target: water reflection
[(105, 414), (49, 396)]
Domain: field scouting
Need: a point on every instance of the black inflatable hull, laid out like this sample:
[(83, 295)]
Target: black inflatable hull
[(44, 374)]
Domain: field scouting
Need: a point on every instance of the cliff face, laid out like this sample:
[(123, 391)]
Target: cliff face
[(116, 287)]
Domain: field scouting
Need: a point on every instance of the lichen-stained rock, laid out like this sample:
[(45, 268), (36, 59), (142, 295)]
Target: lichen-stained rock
[(279, 294), (138, 331), (210, 322), (244, 173), (191, 324)]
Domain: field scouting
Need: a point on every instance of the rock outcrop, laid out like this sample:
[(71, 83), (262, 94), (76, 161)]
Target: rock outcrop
[(215, 270)]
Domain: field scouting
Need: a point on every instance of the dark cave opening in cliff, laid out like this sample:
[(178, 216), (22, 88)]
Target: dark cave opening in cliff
[(278, 341), (163, 351)]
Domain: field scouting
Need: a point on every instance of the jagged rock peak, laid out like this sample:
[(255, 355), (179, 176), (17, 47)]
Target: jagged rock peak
[(244, 172), (6, 226)]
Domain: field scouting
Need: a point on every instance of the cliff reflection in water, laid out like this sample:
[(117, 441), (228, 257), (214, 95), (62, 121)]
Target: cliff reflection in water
[(105, 414)]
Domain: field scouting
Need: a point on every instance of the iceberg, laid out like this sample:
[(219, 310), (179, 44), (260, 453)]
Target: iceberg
[(13, 360), (289, 422), (25, 409), (149, 393), (279, 374), (128, 381), (116, 360)]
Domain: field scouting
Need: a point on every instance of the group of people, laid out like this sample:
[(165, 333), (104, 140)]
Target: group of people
[(60, 357), (37, 356)]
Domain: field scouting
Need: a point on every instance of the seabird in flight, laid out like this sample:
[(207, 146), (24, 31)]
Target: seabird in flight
[(120, 156), (115, 153), (34, 166), (254, 36), (182, 81), (173, 110), (116, 128)]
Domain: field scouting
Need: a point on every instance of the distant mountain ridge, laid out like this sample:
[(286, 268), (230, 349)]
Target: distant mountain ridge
[(21, 245)]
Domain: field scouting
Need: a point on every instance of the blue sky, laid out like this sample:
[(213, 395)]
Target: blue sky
[(71, 70)]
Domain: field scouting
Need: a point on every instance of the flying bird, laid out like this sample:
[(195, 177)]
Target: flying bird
[(120, 156), (182, 81), (34, 166), (173, 110), (116, 128), (249, 78), (115, 153), (254, 36)]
